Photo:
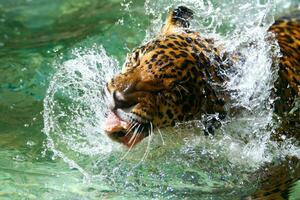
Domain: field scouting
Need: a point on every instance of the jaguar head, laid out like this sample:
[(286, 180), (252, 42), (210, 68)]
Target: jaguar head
[(161, 83)]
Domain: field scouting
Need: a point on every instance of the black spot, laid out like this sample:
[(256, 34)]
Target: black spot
[(290, 29), (208, 50), (165, 57), (177, 93), (184, 44), (177, 43), (163, 47), (186, 107), (170, 45), (153, 58), (277, 22), (267, 194), (185, 64), (180, 37), (192, 98), (201, 55), (285, 194), (200, 44), (142, 48), (167, 65), (295, 79), (160, 114), (209, 40), (180, 117), (172, 36), (188, 39), (150, 66), (178, 56), (167, 76), (170, 114), (276, 190), (194, 70), (183, 54), (158, 63), (136, 55), (288, 39), (195, 56), (172, 53), (290, 23)]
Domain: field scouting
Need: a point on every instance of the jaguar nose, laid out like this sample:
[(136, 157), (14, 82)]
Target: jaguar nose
[(117, 99), (120, 100)]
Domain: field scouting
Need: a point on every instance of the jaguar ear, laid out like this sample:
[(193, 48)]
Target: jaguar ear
[(178, 18)]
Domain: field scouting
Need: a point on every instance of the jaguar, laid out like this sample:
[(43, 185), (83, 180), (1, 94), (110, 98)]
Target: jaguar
[(180, 75)]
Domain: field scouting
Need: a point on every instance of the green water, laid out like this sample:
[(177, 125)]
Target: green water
[(36, 37)]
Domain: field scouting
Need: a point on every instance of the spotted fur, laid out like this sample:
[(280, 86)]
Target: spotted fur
[(179, 75), (287, 31)]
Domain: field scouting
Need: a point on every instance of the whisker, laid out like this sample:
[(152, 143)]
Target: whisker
[(162, 139), (151, 127), (147, 151), (124, 156), (178, 91), (134, 137), (148, 145), (186, 90), (131, 126), (134, 134)]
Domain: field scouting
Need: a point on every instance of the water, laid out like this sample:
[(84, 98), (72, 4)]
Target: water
[(55, 59)]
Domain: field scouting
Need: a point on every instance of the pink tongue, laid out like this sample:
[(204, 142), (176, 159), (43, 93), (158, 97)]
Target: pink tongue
[(113, 123)]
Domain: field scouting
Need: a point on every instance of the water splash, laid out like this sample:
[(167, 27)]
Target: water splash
[(74, 105), (74, 110)]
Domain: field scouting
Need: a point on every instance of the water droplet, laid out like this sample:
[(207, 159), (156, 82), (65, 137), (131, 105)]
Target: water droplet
[(30, 143), (19, 158)]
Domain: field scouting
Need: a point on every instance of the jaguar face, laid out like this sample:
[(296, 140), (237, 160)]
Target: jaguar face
[(151, 91)]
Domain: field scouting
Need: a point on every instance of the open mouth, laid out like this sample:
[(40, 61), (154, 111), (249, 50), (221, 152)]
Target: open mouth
[(126, 128)]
